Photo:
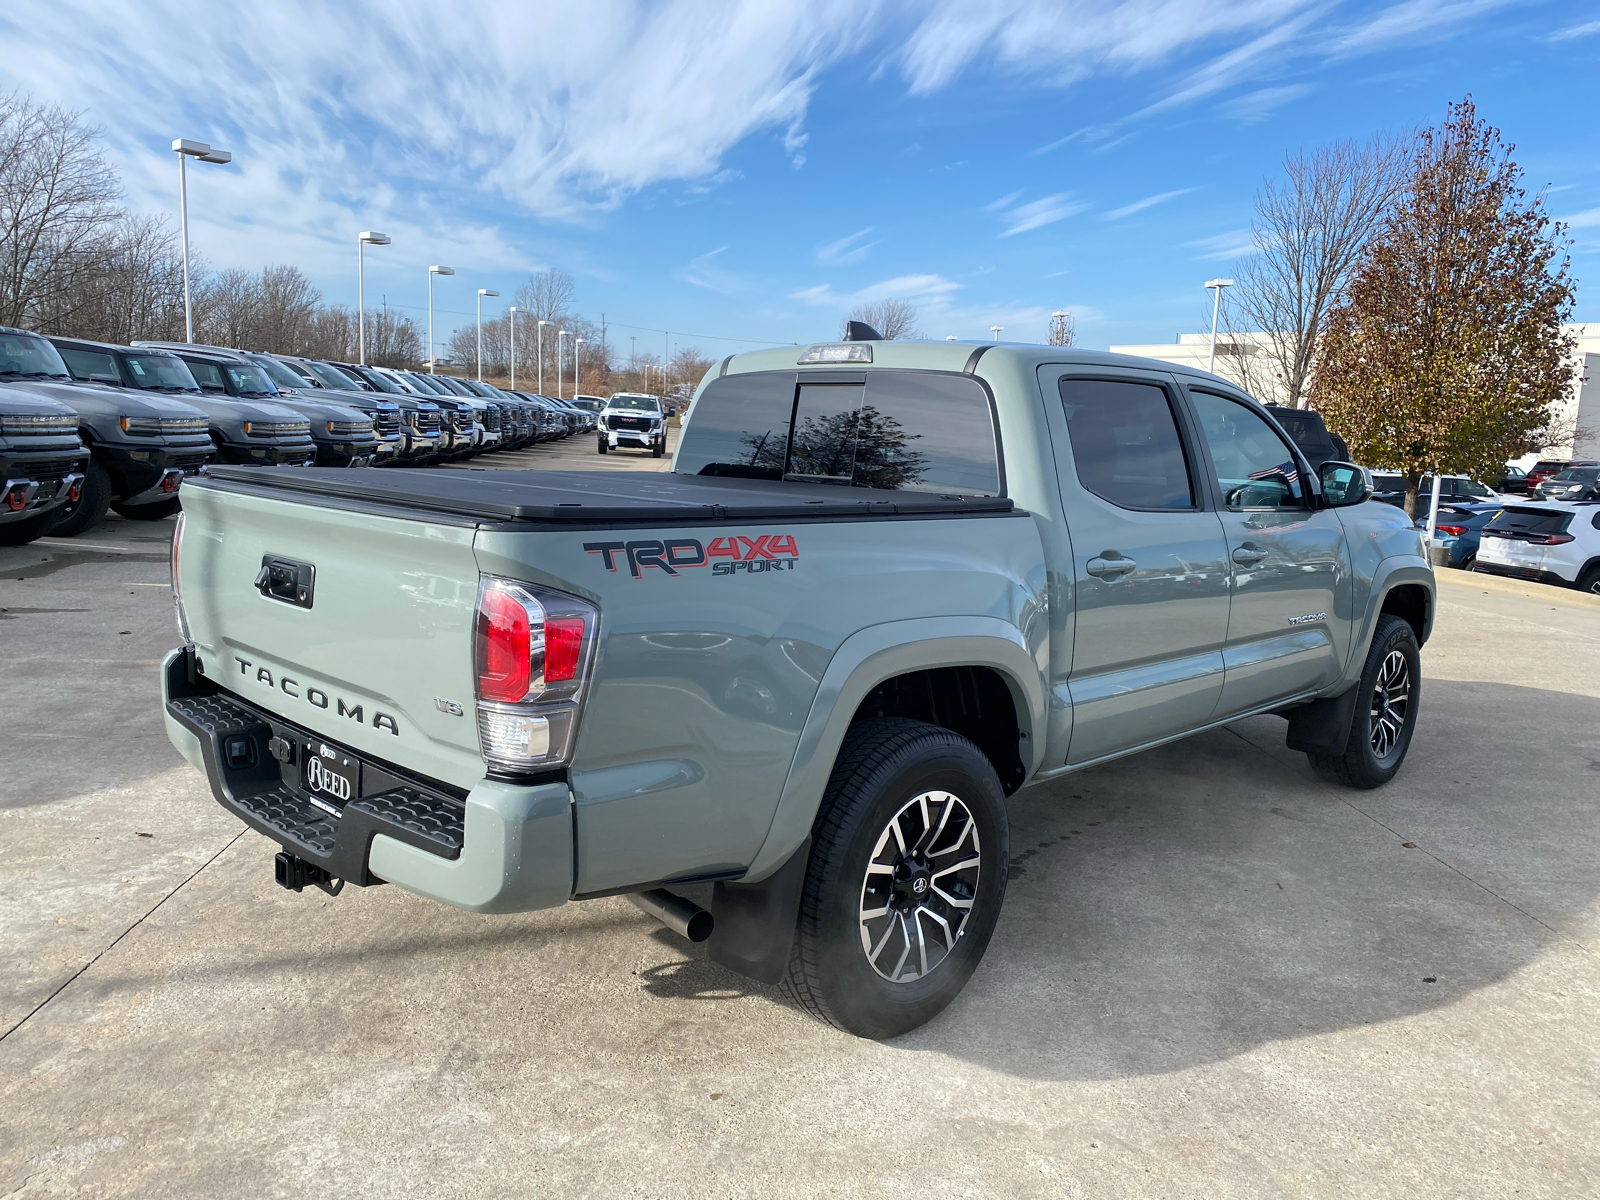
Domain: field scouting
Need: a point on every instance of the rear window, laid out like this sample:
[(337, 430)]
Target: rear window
[(1538, 521), (891, 430)]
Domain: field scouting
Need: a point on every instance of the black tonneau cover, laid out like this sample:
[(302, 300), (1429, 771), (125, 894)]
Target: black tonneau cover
[(584, 498)]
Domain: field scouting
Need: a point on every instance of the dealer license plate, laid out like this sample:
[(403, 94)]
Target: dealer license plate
[(330, 775)]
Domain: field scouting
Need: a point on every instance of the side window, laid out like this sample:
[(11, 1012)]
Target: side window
[(1125, 443), (740, 427), (92, 365), (1255, 467)]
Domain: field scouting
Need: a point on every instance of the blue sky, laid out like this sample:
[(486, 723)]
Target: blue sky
[(751, 171)]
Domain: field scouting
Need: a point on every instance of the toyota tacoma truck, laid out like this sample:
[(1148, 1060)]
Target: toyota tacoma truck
[(884, 586)]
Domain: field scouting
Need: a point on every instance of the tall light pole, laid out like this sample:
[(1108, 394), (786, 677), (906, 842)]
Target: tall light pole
[(1216, 286), (995, 329), (513, 311), (577, 366), (187, 150), (482, 292), (362, 241), (538, 352), (432, 271), (560, 333)]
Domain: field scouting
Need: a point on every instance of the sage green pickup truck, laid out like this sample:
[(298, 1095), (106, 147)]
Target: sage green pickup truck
[(884, 586)]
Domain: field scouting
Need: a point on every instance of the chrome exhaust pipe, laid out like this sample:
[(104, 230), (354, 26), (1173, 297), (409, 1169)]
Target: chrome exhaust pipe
[(683, 917)]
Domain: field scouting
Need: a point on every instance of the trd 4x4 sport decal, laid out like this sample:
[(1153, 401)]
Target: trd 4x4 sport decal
[(731, 555)]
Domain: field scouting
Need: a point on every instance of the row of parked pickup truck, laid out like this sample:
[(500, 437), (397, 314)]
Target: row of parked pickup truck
[(86, 426)]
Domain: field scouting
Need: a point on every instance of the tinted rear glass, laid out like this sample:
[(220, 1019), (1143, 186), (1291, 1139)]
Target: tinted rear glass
[(892, 430), (1530, 520)]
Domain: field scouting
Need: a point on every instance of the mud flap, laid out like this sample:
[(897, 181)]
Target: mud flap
[(755, 922), (1323, 726)]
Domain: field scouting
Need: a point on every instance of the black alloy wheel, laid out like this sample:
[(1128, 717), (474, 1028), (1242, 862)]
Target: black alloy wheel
[(909, 857), (1386, 710)]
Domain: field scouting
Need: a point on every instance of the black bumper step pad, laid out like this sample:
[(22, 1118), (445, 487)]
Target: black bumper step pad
[(266, 794)]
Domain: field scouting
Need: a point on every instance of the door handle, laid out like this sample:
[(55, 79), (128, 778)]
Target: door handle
[(1248, 555), (1109, 568)]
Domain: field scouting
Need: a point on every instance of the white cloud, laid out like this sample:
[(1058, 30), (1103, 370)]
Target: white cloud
[(1005, 201), (926, 291), (1589, 218), (1038, 213), (706, 272), (1414, 22), (1234, 244), (1257, 106), (846, 249), (1587, 29), (1138, 206)]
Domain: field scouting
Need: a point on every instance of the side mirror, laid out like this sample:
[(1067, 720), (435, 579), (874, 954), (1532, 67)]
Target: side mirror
[(1343, 484)]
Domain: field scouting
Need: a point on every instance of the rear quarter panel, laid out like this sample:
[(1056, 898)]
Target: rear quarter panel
[(703, 681)]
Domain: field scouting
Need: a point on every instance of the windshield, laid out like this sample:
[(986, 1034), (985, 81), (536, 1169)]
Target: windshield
[(247, 379), (450, 386), (162, 373), (427, 384), (334, 377), (22, 354), (1579, 474), (278, 373), (94, 365), (642, 403), (378, 380)]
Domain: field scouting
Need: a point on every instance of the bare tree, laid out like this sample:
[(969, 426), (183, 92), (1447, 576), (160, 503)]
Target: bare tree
[(1063, 329), (1448, 352), (393, 339), (894, 319), (1308, 232), (288, 309), (58, 202), (229, 309)]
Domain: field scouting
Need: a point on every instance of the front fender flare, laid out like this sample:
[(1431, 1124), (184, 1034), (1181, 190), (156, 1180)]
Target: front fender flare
[(863, 661), (1391, 573)]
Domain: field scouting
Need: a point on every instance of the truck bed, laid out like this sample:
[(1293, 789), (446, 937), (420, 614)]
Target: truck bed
[(579, 499)]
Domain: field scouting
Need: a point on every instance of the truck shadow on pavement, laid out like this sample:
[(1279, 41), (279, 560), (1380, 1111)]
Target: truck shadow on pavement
[(1191, 903)]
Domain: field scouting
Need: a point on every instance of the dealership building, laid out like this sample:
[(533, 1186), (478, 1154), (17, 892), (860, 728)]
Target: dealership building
[(1241, 358)]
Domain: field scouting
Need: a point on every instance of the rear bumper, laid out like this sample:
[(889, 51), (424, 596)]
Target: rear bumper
[(501, 848), (1528, 573)]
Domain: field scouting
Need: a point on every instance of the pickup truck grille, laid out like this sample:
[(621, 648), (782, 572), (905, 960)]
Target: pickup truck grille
[(386, 424), (638, 423), (50, 469), (424, 422), (491, 418)]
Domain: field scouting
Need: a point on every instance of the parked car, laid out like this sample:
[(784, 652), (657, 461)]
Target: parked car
[(1391, 489), (1546, 541), (1515, 479), (459, 416), (591, 404), (635, 421), (1458, 530), (305, 383), (144, 437), (237, 397), (1580, 481), (808, 666), (419, 417), (585, 421), (345, 436), (548, 425), (1544, 469), (43, 463), (1307, 430), (484, 438)]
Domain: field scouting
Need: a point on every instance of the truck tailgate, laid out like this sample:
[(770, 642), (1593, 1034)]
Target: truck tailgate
[(381, 660)]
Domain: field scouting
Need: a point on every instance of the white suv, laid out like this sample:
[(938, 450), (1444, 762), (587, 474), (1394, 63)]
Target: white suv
[(633, 419), (1546, 541)]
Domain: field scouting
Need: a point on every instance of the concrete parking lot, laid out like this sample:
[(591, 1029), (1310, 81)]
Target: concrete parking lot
[(1215, 975)]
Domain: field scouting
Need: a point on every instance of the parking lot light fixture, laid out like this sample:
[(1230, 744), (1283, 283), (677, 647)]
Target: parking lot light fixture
[(1215, 286), (482, 292), (538, 351), (995, 329), (363, 240), (512, 310), (577, 367), (187, 150), (432, 271)]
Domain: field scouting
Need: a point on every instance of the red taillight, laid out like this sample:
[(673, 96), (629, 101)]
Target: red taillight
[(563, 643), (1558, 539), (1451, 530), (505, 647)]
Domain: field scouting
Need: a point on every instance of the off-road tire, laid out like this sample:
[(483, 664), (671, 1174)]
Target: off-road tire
[(92, 503), (1361, 765), (657, 449), (159, 511), (1589, 581), (885, 764), (20, 533), (603, 446)]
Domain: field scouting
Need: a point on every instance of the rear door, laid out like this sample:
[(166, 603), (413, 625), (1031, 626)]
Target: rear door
[(1148, 557), (1289, 625)]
